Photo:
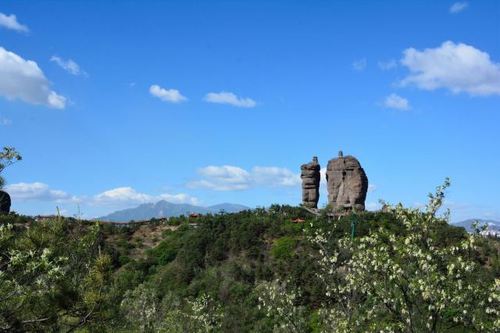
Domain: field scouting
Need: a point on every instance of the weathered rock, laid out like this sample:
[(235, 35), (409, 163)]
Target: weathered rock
[(310, 174), (347, 184), (4, 202)]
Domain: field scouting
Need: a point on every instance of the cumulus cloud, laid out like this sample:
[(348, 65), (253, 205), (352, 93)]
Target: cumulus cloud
[(166, 95), (229, 98), (37, 191), (179, 198), (359, 65), (387, 65), (121, 196), (10, 22), (69, 66), (373, 206), (23, 79), (231, 178), (457, 7), (128, 195), (394, 101), (275, 176), (222, 178), (457, 67)]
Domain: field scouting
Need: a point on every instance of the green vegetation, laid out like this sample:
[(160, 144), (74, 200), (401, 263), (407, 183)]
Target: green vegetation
[(284, 247), (254, 271), (53, 275), (8, 156)]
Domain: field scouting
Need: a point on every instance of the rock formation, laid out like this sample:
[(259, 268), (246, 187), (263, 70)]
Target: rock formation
[(4, 202), (310, 183), (347, 184)]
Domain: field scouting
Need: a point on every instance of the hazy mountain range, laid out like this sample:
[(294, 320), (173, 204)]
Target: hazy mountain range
[(167, 209), (493, 226)]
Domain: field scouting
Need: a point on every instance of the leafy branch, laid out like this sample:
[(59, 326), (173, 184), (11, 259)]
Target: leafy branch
[(8, 156)]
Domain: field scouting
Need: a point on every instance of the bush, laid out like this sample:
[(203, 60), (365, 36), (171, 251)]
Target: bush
[(283, 248)]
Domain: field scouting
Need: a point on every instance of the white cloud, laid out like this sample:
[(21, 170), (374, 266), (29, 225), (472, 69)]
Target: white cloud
[(275, 176), (387, 65), (10, 22), (457, 67), (359, 65), (23, 79), (373, 206), (37, 191), (322, 173), (372, 188), (231, 178), (166, 95), (179, 198), (56, 101), (222, 178), (457, 7), (122, 194), (224, 97), (466, 210), (128, 195), (394, 101), (323, 188), (69, 66)]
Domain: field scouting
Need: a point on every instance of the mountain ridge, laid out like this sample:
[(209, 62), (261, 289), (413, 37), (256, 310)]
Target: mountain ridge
[(493, 227), (164, 208)]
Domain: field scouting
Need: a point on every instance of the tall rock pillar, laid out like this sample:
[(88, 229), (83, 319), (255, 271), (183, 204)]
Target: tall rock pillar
[(347, 184), (310, 174)]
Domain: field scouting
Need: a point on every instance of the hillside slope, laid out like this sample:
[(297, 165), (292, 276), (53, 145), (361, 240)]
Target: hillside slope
[(279, 269)]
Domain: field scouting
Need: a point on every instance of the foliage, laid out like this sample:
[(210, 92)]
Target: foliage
[(145, 311), (8, 156), (281, 305), (51, 277), (283, 247), (406, 270), (411, 280)]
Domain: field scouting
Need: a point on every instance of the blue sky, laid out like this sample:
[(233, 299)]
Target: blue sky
[(113, 103)]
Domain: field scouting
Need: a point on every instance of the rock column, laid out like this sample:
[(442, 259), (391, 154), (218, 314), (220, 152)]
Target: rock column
[(310, 174), (347, 184)]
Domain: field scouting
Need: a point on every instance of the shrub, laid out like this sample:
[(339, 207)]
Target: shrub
[(283, 248)]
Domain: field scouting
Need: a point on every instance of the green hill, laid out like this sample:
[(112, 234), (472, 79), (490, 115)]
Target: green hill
[(279, 269)]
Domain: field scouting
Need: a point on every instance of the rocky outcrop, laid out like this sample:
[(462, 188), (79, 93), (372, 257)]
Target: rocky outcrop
[(310, 174), (347, 184), (4, 202)]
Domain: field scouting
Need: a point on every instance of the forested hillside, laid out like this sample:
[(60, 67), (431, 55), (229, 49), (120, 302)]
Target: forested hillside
[(279, 269)]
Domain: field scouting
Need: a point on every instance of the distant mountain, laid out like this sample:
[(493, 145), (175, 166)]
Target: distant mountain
[(167, 209), (227, 207), (493, 226)]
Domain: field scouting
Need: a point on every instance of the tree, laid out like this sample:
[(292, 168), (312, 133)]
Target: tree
[(404, 279), (8, 156), (53, 276)]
